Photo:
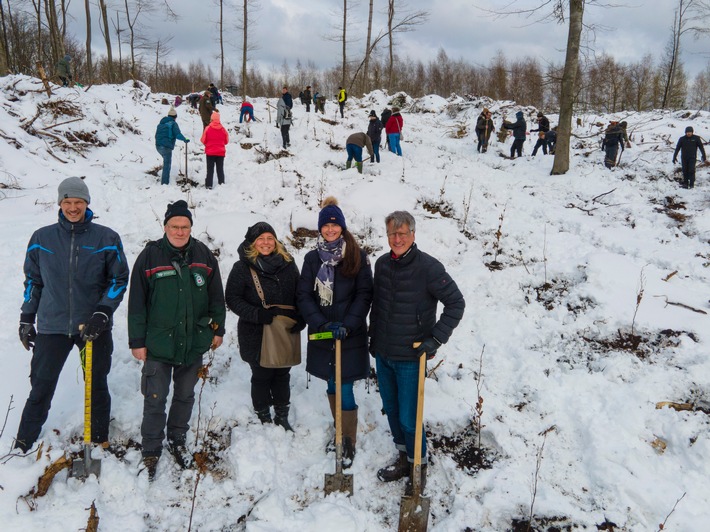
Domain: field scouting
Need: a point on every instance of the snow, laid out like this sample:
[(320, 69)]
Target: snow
[(597, 236)]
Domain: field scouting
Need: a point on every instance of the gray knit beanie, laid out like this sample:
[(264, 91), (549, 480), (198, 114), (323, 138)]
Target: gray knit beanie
[(73, 187)]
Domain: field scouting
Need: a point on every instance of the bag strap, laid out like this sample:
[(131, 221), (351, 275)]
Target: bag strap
[(260, 292)]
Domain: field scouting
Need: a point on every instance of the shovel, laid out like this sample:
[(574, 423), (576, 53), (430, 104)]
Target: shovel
[(82, 468), (414, 508), (338, 481)]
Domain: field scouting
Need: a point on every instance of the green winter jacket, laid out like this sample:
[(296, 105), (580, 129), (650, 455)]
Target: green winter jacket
[(176, 302)]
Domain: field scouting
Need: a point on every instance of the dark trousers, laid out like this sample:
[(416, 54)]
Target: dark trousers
[(610, 155), (48, 358), (270, 386), (517, 147), (213, 160), (541, 143), (308, 107), (375, 152), (155, 386), (342, 109), (688, 166), (483, 142), (285, 136)]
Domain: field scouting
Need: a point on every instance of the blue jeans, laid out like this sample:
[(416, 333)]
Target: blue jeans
[(167, 154), (375, 152), (399, 385), (246, 111), (394, 143), (348, 396), (354, 151)]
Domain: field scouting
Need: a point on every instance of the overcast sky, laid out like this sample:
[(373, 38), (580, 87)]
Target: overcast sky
[(292, 30)]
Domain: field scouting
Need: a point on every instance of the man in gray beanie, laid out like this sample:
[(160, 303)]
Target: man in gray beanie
[(72, 302), (688, 146)]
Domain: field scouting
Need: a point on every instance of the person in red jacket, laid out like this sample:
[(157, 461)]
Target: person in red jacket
[(215, 139), (393, 128)]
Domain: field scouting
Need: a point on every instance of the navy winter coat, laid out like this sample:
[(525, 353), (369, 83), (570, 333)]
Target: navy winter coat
[(688, 148), (352, 297), (407, 290), (518, 127), (374, 130), (71, 271)]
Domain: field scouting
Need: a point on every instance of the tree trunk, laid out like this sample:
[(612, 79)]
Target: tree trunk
[(107, 39), (567, 93), (244, 51), (345, 42), (365, 86), (89, 65), (5, 61), (390, 65), (55, 36), (221, 45)]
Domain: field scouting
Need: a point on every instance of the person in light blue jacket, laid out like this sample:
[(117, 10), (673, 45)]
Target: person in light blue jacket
[(75, 277), (166, 134)]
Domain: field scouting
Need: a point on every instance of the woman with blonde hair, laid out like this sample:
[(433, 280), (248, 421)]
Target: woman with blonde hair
[(263, 256), (334, 294)]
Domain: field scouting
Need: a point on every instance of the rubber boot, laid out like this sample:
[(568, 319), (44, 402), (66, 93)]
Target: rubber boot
[(281, 417), (349, 437), (359, 167), (398, 469), (264, 415), (409, 487), (349, 163)]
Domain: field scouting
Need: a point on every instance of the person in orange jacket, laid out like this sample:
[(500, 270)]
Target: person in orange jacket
[(215, 139)]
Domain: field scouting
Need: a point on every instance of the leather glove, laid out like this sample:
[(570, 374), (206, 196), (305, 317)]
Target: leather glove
[(264, 316), (338, 329), (95, 326), (28, 333), (300, 325), (428, 346)]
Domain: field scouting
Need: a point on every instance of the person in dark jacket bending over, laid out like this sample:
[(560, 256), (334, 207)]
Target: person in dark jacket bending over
[(688, 146), (176, 314), (264, 256), (334, 294), (408, 285), (75, 273)]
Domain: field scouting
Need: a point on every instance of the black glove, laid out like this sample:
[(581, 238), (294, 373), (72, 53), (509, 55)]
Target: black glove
[(27, 335), (428, 346), (264, 316), (675, 161), (338, 329), (300, 325), (95, 326)]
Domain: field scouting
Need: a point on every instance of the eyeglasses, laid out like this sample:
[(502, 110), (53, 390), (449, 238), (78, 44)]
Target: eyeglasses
[(399, 234), (177, 228)]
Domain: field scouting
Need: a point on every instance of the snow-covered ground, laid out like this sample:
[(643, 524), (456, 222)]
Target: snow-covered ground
[(554, 369)]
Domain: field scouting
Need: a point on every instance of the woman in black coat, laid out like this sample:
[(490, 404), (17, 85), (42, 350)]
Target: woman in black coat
[(262, 252), (334, 294)]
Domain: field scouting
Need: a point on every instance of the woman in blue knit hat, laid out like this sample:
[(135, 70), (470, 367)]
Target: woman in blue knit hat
[(334, 294)]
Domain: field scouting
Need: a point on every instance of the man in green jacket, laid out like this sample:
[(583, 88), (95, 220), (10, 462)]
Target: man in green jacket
[(176, 313)]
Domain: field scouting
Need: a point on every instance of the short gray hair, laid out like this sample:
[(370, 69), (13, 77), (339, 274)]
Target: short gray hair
[(400, 218)]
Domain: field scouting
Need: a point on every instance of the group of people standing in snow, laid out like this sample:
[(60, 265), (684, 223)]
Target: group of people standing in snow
[(176, 314), (547, 138)]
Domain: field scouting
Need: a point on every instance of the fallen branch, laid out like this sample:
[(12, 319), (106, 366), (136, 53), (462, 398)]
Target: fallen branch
[(595, 198), (675, 406), (65, 122), (667, 277), (92, 525), (662, 526), (682, 305), (45, 481)]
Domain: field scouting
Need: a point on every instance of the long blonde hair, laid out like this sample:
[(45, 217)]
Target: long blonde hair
[(251, 252)]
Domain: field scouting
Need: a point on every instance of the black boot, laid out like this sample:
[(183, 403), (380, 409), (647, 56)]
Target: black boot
[(264, 415), (409, 487), (182, 456), (396, 470), (281, 417)]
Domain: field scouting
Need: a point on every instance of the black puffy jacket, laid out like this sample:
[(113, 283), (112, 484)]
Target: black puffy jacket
[(242, 299), (352, 297), (407, 290)]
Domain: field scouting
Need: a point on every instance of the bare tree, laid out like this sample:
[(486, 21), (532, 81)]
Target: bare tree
[(105, 31), (406, 23), (89, 65), (345, 43), (5, 60), (364, 85), (161, 50), (244, 23)]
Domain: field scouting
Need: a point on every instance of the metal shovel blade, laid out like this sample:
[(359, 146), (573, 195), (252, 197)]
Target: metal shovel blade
[(414, 513), (85, 466), (338, 482)]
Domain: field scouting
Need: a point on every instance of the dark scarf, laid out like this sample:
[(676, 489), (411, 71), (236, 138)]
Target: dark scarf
[(330, 253)]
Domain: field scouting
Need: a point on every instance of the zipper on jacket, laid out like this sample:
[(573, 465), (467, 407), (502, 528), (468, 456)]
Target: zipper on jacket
[(71, 281)]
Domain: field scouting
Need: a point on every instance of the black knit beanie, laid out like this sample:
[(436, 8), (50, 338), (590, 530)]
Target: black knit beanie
[(258, 229), (179, 208)]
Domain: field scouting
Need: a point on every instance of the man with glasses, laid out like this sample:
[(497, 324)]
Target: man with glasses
[(408, 285), (176, 313)]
